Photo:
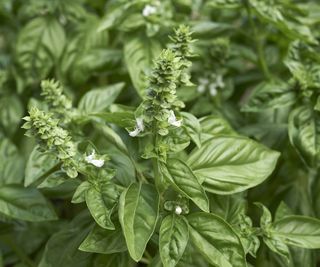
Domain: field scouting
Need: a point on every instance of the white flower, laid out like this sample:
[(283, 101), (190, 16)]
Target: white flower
[(201, 88), (178, 210), (139, 127), (213, 89), (92, 160), (173, 120), (149, 10), (219, 81)]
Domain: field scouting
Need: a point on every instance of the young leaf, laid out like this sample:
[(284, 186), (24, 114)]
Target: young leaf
[(174, 235), (99, 99), (298, 231), (182, 179), (216, 240), (230, 164), (138, 214), (104, 241), (25, 204)]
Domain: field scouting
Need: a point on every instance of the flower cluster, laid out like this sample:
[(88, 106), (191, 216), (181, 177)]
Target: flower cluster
[(52, 91), (213, 83), (52, 137), (182, 40), (169, 72)]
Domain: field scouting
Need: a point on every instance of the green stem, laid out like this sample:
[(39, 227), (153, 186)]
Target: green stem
[(258, 43), (19, 252)]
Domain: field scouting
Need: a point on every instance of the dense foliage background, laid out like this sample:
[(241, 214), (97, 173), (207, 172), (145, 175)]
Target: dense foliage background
[(255, 72)]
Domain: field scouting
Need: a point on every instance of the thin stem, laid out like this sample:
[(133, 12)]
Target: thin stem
[(258, 43)]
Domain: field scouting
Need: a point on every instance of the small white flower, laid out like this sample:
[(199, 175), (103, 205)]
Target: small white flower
[(92, 160), (149, 10), (219, 82), (139, 127), (178, 210), (173, 120), (213, 89), (201, 88)]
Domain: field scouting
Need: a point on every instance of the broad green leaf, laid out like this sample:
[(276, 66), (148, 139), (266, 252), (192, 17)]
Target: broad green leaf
[(228, 207), (11, 111), (230, 164), (182, 179), (114, 260), (62, 247), (138, 215), (304, 133), (173, 239), (25, 204), (270, 95), (277, 246), (225, 3), (123, 119), (139, 52), (99, 99), (79, 195), (38, 164), (298, 231), (276, 14), (214, 125), (104, 241), (11, 163), (216, 240), (193, 127), (39, 45), (53, 180), (101, 199)]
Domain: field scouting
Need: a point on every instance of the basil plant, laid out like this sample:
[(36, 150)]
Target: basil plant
[(159, 133)]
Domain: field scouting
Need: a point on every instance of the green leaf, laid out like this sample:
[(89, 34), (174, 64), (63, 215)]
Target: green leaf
[(11, 163), (139, 53), (39, 45), (298, 231), (79, 195), (38, 164), (123, 119), (62, 247), (214, 125), (55, 179), (193, 127), (138, 215), (225, 3), (216, 240), (270, 95), (99, 99), (114, 260), (304, 133), (278, 246), (104, 241), (266, 218), (182, 179), (11, 111), (230, 164), (101, 199), (228, 207), (25, 204), (174, 235)]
